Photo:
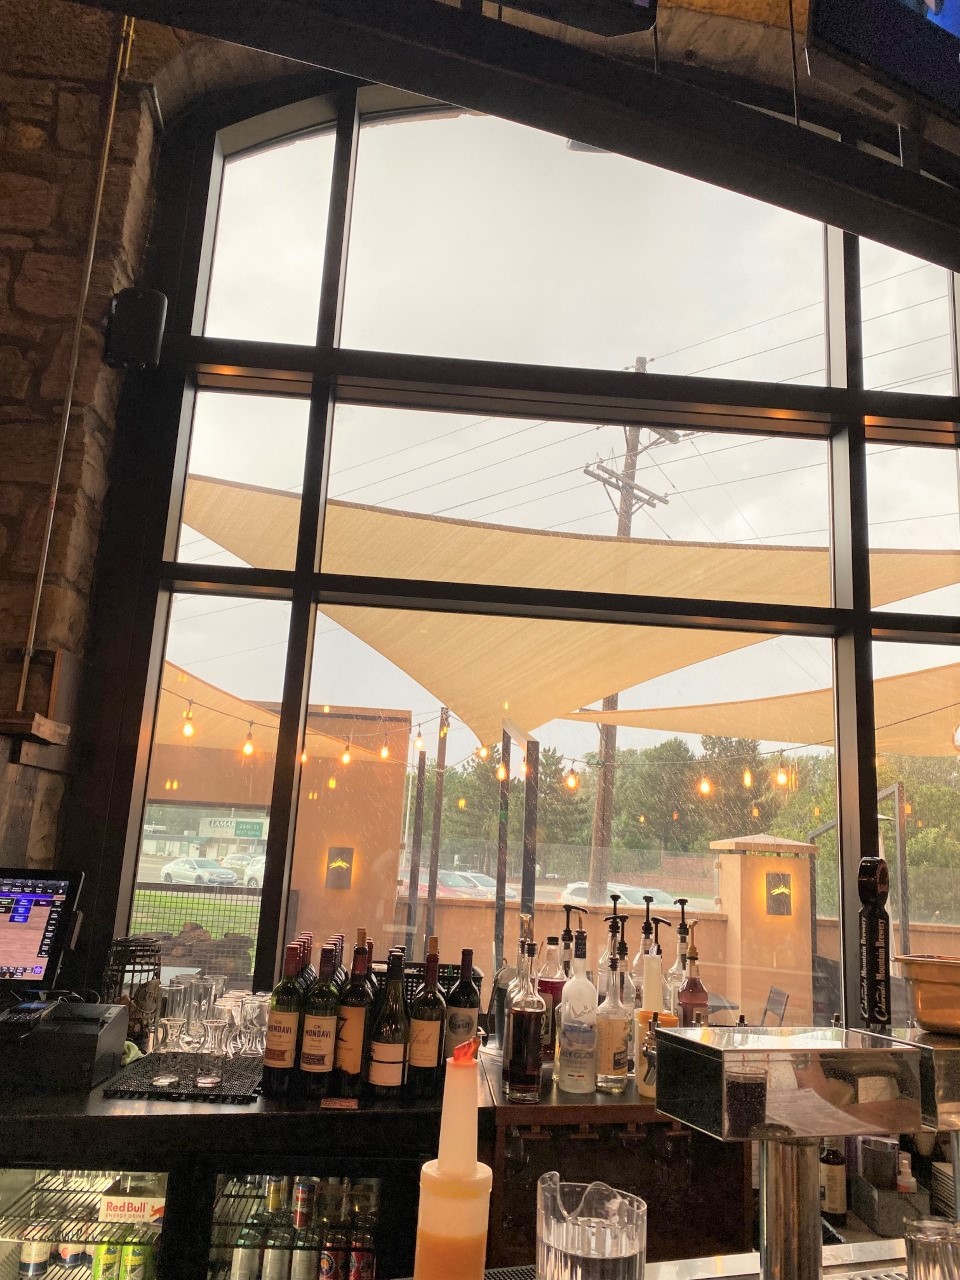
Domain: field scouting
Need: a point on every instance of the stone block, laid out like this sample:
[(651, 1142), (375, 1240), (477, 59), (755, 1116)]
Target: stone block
[(6, 272), (11, 500), (15, 242), (54, 380), (23, 91), (27, 203), (13, 326), (24, 136), (15, 371), (28, 450), (48, 284), (78, 121), (52, 38), (77, 199)]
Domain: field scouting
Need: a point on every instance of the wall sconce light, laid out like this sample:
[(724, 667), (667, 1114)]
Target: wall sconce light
[(339, 867), (779, 893)]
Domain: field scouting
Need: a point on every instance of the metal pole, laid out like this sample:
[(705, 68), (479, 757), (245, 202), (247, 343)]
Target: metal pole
[(437, 817), (902, 874), (791, 1245), (603, 807), (416, 848), (121, 59), (500, 910), (531, 791)]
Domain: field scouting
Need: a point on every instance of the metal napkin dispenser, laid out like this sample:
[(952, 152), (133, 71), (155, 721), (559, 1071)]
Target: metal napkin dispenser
[(738, 1083)]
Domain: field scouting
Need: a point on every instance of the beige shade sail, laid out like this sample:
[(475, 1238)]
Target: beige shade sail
[(916, 714), (221, 720), (541, 669)]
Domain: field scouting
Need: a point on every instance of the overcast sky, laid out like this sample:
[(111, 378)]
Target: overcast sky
[(476, 237)]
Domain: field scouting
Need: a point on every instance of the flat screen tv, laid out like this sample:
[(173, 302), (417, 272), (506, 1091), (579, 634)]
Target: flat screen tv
[(909, 46)]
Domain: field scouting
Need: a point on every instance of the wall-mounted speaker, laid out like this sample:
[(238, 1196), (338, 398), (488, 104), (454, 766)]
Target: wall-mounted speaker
[(135, 324)]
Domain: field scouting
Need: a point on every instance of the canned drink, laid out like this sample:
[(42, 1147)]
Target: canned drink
[(275, 1193), (70, 1254), (304, 1203), (136, 1262), (106, 1262), (34, 1257)]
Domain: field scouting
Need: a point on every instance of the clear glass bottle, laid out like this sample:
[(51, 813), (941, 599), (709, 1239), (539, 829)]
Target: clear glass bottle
[(523, 1048), (628, 993), (675, 975), (692, 997), (550, 983), (612, 1036), (577, 1026)]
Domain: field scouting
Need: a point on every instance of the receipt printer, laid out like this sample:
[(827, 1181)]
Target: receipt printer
[(70, 1049)]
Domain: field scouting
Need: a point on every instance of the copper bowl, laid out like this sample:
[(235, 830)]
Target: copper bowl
[(934, 986)]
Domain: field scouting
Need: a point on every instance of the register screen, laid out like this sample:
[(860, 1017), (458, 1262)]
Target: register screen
[(31, 912)]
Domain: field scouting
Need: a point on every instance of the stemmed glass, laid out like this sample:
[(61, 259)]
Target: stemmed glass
[(213, 1053), (169, 1041)]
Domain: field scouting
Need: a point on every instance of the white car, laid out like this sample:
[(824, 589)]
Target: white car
[(197, 871), (631, 896), (253, 872), (486, 885)]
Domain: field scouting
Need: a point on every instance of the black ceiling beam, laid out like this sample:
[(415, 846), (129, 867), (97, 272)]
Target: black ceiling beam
[(474, 62)]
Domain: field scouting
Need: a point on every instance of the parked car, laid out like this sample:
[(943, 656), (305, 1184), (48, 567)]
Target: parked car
[(450, 884), (239, 861), (197, 871), (486, 885), (630, 895), (253, 872)]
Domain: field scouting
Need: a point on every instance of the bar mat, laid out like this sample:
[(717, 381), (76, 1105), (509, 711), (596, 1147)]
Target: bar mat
[(241, 1079), (511, 1273)]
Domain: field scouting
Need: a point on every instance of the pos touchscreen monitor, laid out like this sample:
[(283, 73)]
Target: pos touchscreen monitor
[(36, 913)]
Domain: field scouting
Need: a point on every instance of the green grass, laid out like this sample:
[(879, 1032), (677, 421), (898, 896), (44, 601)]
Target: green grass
[(157, 912)]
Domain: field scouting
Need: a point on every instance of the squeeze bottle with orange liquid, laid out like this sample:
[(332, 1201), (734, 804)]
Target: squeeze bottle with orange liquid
[(455, 1188)]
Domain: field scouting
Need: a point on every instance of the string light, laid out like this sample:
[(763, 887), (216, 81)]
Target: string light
[(247, 747), (907, 808), (189, 728), (506, 705), (524, 767), (747, 778), (172, 784), (705, 786), (312, 795), (384, 751), (782, 776), (483, 752), (920, 823), (418, 740), (304, 757), (462, 803), (755, 812), (331, 783), (816, 811), (642, 819), (501, 772), (571, 779), (345, 755)]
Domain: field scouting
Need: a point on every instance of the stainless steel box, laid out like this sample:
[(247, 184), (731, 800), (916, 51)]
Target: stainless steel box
[(738, 1083), (939, 1076)]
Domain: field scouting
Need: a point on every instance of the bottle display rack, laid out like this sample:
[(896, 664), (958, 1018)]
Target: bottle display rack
[(54, 1208)]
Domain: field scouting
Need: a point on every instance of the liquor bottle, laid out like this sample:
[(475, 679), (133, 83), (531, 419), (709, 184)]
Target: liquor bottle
[(566, 945), (319, 1039), (427, 1019), (386, 1062), (603, 964), (353, 1015), (283, 1031), (833, 1182), (628, 991), (463, 1007), (523, 1047), (577, 1026), (692, 996), (612, 1035), (550, 984), (677, 972)]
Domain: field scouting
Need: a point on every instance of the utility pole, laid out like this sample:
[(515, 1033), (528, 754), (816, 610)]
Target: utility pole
[(627, 498)]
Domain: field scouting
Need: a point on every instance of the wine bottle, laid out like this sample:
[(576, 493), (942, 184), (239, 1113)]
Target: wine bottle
[(427, 1019), (283, 1030), (463, 1007), (523, 1048), (371, 976), (550, 983), (353, 1014), (386, 1061), (692, 998), (318, 1043)]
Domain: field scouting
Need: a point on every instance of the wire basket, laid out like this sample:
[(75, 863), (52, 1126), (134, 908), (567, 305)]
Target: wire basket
[(132, 977)]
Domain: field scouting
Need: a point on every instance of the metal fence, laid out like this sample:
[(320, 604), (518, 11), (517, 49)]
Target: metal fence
[(210, 926)]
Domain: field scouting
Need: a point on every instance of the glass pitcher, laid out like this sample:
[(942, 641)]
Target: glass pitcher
[(588, 1231)]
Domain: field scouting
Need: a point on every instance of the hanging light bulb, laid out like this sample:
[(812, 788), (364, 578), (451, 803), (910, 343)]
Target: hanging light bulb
[(331, 783), (483, 752), (418, 740), (462, 803), (747, 778), (755, 812), (524, 767), (907, 808), (189, 728), (501, 772), (304, 757), (345, 754), (384, 751), (247, 747), (675, 815), (705, 786), (571, 779), (176, 784), (782, 776), (642, 819)]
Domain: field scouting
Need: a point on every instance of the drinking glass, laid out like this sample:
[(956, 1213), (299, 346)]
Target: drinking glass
[(229, 1008), (250, 1025), (169, 1042), (589, 1231), (201, 1008), (213, 1053), (933, 1249)]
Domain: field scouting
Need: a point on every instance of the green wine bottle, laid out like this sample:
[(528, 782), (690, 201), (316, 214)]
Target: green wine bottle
[(427, 1016), (386, 1062), (353, 1015), (283, 1030), (463, 1007), (319, 1038)]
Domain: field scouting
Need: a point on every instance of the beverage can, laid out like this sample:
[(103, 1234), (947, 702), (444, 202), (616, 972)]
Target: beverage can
[(106, 1262), (136, 1262), (70, 1254), (275, 1193), (34, 1257), (362, 1264), (304, 1202)]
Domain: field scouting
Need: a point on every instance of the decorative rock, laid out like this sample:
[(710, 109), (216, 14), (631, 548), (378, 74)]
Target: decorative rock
[(48, 284), (26, 203)]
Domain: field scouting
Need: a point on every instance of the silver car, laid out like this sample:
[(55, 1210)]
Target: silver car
[(197, 871)]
